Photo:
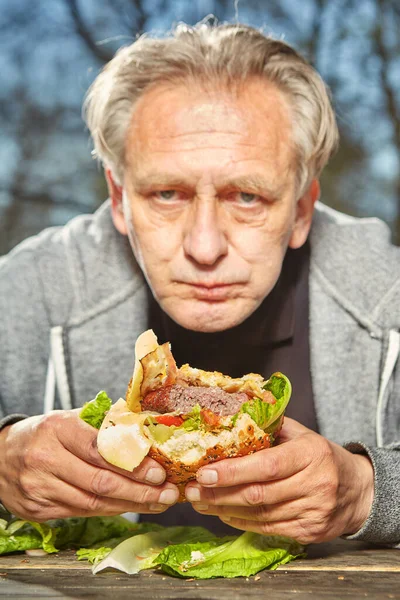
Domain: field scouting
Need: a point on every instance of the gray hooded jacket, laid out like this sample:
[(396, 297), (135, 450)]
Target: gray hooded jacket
[(73, 301)]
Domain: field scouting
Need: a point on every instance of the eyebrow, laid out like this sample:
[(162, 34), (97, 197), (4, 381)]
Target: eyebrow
[(253, 183), (162, 180)]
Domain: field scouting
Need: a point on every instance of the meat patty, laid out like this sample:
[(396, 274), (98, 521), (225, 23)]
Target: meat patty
[(183, 399)]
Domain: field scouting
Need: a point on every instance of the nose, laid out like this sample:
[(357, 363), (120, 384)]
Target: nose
[(205, 241)]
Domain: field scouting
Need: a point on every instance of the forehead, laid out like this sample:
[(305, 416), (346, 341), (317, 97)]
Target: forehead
[(252, 122)]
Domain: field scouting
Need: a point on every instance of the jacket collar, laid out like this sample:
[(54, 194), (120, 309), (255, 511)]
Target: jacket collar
[(354, 261)]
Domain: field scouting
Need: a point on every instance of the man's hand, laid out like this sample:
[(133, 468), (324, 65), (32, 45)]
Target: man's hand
[(50, 468), (306, 488)]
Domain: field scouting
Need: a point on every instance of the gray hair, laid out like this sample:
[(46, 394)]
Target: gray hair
[(211, 54)]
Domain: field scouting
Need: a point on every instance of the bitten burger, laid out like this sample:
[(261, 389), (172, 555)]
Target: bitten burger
[(185, 418)]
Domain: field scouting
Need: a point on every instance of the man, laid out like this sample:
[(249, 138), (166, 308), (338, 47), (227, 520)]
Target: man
[(212, 142)]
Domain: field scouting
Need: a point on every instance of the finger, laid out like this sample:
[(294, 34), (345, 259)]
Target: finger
[(59, 499), (271, 464), (80, 439), (253, 494), (105, 483), (149, 471), (291, 429), (289, 529), (279, 512)]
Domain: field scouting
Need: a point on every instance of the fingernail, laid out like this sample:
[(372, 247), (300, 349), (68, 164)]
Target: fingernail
[(192, 494), (157, 507), (168, 497), (207, 476), (155, 475), (198, 506)]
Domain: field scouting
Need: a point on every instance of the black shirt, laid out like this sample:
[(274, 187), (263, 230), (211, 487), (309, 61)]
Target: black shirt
[(274, 338)]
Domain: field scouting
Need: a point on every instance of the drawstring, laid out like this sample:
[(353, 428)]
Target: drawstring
[(50, 389), (390, 363), (57, 373)]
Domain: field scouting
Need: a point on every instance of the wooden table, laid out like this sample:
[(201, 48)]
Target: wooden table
[(336, 570)]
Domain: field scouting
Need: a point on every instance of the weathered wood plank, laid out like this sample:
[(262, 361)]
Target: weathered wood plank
[(348, 556), (280, 585), (337, 555), (62, 560), (334, 571)]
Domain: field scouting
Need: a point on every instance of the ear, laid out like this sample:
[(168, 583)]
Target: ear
[(304, 213), (117, 210)]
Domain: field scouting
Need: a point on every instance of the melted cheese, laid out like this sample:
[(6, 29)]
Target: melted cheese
[(146, 343), (121, 440), (251, 383)]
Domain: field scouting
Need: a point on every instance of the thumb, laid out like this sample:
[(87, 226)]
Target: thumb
[(291, 429)]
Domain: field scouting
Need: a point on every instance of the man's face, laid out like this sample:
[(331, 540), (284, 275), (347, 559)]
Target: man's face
[(210, 199)]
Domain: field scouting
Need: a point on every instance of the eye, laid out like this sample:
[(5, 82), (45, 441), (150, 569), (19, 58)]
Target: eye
[(246, 198), (167, 194)]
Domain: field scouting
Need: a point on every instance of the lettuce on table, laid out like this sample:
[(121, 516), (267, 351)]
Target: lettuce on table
[(20, 535), (96, 555), (97, 552), (141, 552), (237, 556), (17, 535), (196, 553), (131, 547)]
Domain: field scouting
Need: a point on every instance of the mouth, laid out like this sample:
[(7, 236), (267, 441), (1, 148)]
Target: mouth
[(212, 292)]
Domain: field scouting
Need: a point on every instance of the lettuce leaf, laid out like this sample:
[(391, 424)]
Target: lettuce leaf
[(266, 415), (281, 388), (8, 527), (18, 535), (48, 535), (278, 384), (93, 412), (141, 551), (193, 420), (195, 552), (98, 552), (25, 535), (88, 531), (93, 555), (131, 547), (27, 540), (228, 557)]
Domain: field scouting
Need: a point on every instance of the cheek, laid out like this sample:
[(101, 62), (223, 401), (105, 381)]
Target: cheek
[(263, 249), (154, 248), (261, 246)]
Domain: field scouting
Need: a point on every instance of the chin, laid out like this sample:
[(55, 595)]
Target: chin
[(206, 317)]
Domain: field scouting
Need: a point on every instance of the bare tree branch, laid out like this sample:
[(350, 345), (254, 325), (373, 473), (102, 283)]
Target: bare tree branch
[(83, 32), (390, 97), (316, 32), (317, 40), (392, 107), (141, 16)]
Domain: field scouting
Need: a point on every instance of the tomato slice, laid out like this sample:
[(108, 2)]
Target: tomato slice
[(209, 417), (169, 420)]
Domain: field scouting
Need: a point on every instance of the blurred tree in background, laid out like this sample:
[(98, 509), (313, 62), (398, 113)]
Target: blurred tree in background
[(50, 52)]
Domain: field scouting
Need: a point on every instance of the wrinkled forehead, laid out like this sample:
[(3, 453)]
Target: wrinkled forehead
[(172, 119)]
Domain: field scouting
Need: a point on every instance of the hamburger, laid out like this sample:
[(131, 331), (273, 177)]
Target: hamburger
[(185, 418)]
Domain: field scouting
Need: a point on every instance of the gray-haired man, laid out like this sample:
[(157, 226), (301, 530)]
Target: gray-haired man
[(212, 141)]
